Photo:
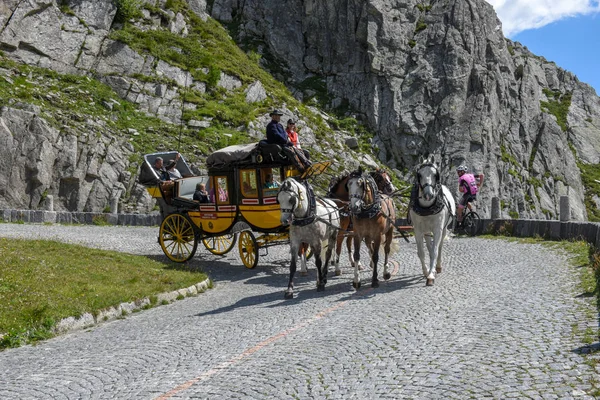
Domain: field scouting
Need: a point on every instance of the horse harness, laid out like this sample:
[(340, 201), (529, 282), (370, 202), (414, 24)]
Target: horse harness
[(436, 207), (312, 208), (440, 199), (370, 210)]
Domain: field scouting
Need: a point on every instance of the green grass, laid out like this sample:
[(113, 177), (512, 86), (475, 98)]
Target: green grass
[(557, 105), (42, 282), (590, 174), (421, 25)]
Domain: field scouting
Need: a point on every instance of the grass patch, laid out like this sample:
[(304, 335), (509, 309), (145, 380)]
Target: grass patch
[(590, 174), (507, 157), (42, 282), (557, 105), (421, 25)]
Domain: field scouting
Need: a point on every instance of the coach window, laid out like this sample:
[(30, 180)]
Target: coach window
[(248, 182), (222, 190)]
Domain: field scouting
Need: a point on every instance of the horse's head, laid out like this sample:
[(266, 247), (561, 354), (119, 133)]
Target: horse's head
[(289, 197), (383, 181), (428, 179), (338, 187), (360, 189)]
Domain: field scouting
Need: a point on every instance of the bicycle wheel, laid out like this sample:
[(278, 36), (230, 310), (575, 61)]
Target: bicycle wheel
[(471, 223), (220, 245)]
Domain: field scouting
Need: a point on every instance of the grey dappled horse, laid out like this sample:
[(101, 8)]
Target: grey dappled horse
[(431, 211), (373, 216), (313, 221)]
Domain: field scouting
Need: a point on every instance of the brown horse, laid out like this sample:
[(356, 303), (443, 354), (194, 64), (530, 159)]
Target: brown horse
[(338, 192), (373, 216)]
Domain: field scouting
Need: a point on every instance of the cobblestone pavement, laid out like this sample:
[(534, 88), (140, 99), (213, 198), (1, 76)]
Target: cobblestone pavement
[(498, 323)]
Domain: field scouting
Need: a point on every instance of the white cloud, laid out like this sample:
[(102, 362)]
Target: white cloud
[(520, 15)]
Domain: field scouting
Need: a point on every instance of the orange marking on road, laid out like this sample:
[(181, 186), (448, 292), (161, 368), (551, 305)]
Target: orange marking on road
[(248, 352)]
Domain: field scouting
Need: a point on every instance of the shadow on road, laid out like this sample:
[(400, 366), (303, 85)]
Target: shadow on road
[(305, 289)]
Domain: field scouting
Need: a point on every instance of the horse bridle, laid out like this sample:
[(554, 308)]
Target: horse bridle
[(380, 176), (297, 197), (363, 180), (437, 185)]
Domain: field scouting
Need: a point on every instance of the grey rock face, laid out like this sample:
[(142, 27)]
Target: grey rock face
[(79, 172), (429, 78), (442, 79)]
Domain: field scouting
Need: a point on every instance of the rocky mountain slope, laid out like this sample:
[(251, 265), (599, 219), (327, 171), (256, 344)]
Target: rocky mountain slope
[(87, 88), (434, 77), (438, 76)]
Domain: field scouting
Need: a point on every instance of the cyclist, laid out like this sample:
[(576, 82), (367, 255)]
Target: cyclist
[(468, 185)]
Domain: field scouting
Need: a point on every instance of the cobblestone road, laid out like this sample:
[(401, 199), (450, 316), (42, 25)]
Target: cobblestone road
[(499, 323)]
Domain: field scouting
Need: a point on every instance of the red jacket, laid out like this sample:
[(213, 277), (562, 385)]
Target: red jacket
[(293, 136)]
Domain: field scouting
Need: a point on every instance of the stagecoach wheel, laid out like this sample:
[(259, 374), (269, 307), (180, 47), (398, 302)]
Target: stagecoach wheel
[(177, 238), (220, 245), (248, 249), (308, 253), (471, 223)]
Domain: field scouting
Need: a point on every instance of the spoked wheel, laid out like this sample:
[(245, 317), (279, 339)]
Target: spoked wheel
[(471, 223), (308, 253), (248, 249), (177, 238), (220, 245)]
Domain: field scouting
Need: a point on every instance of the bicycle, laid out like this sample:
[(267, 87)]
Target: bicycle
[(470, 223)]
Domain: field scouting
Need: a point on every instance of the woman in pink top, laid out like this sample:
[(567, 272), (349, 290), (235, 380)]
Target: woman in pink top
[(468, 185)]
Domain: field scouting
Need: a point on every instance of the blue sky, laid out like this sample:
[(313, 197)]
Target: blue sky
[(564, 31)]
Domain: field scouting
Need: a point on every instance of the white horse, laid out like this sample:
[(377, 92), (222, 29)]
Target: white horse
[(313, 221), (432, 209)]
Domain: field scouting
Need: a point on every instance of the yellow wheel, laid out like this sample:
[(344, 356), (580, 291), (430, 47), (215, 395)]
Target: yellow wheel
[(220, 245), (177, 238), (308, 253), (248, 249)]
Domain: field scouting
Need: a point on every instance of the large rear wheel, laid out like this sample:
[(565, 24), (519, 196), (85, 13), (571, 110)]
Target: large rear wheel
[(177, 238), (220, 245), (248, 249), (471, 223)]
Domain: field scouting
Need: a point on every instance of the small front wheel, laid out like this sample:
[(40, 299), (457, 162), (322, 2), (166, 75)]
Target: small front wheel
[(248, 249), (177, 238), (220, 245), (470, 223)]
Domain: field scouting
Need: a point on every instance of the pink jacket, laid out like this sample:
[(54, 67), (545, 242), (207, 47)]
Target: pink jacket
[(468, 180)]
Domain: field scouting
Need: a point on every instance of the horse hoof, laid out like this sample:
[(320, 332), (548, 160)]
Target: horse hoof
[(288, 295), (303, 273), (375, 284), (387, 276), (356, 285), (338, 272), (438, 270), (429, 282), (321, 287)]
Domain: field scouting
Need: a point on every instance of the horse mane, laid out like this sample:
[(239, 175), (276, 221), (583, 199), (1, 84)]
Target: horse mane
[(356, 173), (336, 180)]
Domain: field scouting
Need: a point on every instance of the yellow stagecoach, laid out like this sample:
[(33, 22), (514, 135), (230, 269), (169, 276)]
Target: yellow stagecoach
[(241, 205)]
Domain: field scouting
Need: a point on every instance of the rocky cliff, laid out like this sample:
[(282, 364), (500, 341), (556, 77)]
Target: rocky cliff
[(437, 76), (434, 77)]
